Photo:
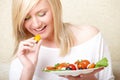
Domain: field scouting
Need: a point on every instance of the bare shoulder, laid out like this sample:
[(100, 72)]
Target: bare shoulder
[(89, 30), (84, 32)]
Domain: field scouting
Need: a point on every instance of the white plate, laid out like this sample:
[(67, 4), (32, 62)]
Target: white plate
[(72, 72)]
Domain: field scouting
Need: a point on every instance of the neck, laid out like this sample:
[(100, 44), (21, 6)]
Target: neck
[(49, 43)]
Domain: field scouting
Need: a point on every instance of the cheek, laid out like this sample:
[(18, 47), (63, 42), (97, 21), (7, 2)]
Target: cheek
[(26, 25), (50, 22), (49, 18)]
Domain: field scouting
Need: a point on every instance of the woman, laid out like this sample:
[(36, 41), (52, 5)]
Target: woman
[(60, 42)]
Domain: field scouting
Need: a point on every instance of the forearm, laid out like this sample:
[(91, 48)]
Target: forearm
[(27, 74)]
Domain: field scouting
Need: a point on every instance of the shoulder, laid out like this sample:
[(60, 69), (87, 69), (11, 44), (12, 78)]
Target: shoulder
[(89, 30), (84, 32)]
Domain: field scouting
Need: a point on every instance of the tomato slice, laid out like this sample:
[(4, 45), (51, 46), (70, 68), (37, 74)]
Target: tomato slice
[(71, 66)]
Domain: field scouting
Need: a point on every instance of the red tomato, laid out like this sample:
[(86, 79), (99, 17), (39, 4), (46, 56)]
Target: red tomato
[(72, 66)]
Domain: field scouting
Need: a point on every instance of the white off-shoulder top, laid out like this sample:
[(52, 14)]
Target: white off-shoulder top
[(93, 50)]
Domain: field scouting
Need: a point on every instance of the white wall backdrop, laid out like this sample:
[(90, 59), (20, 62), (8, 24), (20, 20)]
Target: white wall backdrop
[(104, 14)]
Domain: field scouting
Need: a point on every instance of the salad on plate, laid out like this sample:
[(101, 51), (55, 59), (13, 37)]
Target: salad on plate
[(76, 68)]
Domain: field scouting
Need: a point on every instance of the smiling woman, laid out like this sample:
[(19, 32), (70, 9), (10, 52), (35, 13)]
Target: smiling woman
[(59, 41)]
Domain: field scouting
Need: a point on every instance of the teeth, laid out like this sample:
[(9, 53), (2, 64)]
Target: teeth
[(40, 29)]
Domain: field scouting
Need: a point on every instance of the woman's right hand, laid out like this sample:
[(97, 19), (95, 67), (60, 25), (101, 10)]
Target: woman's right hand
[(28, 55)]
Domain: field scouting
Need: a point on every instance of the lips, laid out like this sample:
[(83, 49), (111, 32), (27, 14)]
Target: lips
[(40, 29)]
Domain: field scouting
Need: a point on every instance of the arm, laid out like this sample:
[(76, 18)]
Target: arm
[(28, 55), (27, 73), (18, 72)]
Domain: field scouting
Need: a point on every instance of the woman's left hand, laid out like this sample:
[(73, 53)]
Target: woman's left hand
[(89, 76)]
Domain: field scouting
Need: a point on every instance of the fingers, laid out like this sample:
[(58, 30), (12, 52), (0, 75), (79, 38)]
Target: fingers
[(25, 46), (81, 77), (97, 70), (69, 77), (28, 45), (28, 51)]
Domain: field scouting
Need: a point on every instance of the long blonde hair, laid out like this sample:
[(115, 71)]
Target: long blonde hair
[(62, 33), (20, 8)]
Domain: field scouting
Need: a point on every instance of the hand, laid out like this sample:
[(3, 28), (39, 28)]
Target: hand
[(28, 55), (89, 76)]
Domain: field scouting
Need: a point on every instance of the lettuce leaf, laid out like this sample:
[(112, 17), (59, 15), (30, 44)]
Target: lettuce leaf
[(102, 63)]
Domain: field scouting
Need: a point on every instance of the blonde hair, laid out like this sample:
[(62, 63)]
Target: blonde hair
[(62, 33), (20, 8)]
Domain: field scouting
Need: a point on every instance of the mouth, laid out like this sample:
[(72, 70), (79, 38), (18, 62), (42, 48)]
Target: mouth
[(41, 29)]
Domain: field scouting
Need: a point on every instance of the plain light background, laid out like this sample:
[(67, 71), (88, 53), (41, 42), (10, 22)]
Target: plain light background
[(104, 14)]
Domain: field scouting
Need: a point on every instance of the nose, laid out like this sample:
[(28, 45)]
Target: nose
[(35, 23)]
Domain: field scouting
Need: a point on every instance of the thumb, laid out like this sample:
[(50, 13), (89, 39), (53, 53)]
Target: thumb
[(98, 70)]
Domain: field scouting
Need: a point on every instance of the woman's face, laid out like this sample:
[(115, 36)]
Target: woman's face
[(40, 20)]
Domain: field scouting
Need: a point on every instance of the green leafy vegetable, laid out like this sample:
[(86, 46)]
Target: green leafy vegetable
[(102, 63), (56, 64)]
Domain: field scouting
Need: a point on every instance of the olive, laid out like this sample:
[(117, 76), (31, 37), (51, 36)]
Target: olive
[(68, 68)]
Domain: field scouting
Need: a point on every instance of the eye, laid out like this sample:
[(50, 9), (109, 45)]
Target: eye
[(41, 14), (27, 18)]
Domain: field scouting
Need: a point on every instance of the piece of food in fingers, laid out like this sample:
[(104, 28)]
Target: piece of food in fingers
[(37, 37)]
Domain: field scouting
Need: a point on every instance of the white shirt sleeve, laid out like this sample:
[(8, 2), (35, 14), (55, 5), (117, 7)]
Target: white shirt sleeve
[(15, 70)]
